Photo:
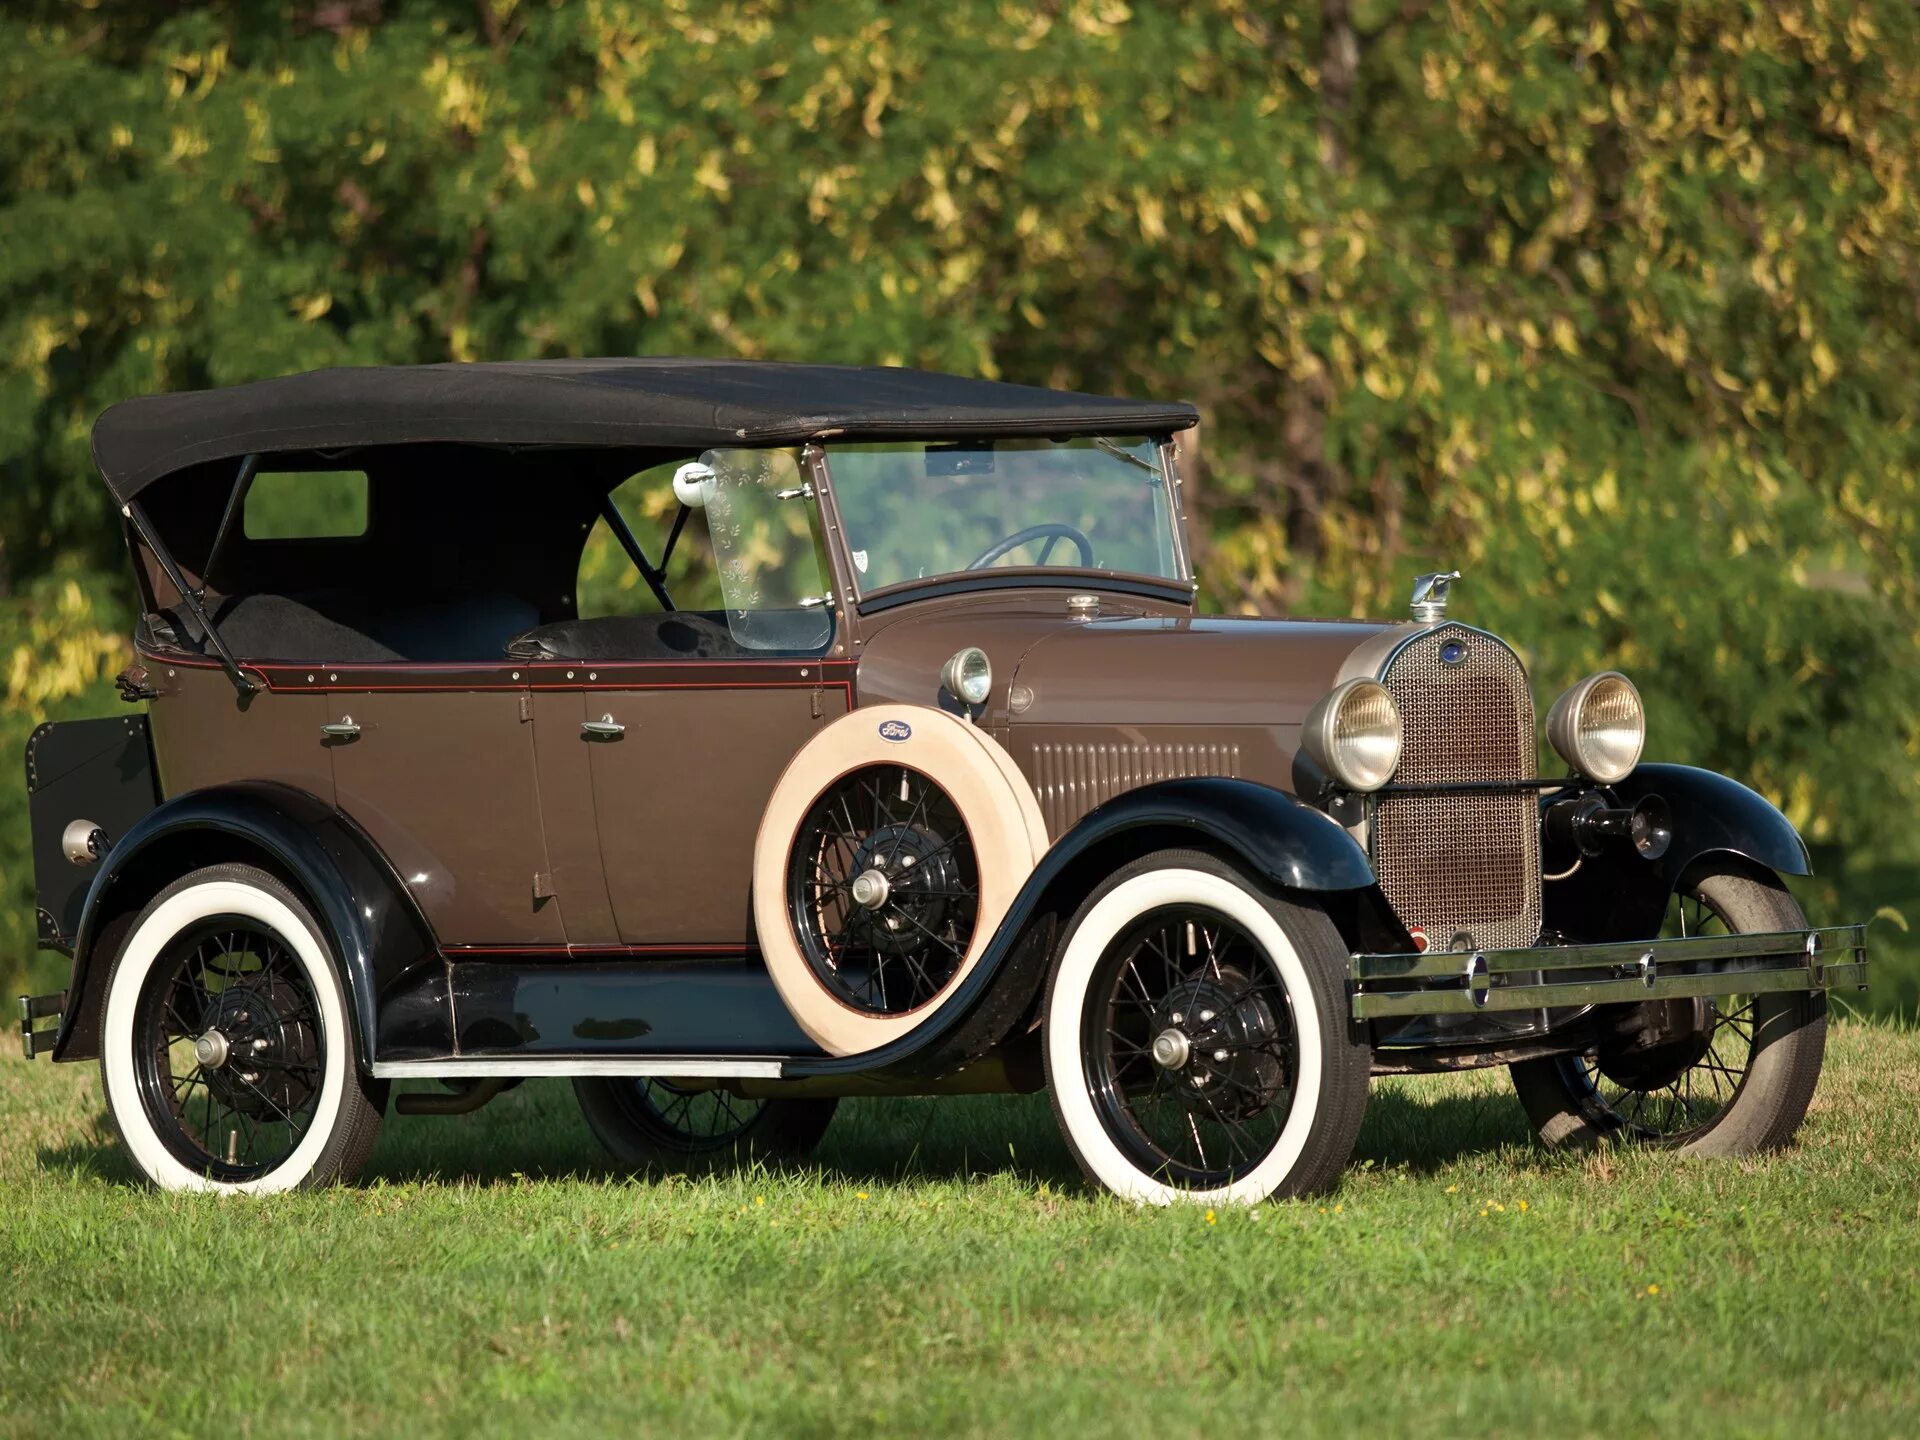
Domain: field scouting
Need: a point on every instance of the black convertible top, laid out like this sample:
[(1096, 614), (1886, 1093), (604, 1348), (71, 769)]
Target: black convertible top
[(654, 402)]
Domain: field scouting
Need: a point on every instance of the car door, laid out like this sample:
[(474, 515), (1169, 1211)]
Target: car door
[(680, 786), (684, 752), (442, 778)]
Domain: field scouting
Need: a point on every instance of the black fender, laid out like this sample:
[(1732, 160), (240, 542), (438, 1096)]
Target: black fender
[(367, 917), (1619, 895), (1279, 840)]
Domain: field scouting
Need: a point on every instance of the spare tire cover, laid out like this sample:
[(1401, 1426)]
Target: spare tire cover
[(998, 807)]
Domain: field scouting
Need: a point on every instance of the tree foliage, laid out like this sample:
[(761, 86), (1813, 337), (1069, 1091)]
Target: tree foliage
[(1613, 305)]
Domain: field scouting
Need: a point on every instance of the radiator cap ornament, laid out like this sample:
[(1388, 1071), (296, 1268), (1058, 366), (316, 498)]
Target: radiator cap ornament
[(1430, 595)]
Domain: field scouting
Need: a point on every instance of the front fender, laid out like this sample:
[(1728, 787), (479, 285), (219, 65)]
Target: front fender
[(369, 921), (1287, 844), (1284, 843), (1619, 896)]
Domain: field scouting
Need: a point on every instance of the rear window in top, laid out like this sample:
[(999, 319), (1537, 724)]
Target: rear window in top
[(306, 505)]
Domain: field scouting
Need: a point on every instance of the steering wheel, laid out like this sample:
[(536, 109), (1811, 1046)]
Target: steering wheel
[(1052, 531)]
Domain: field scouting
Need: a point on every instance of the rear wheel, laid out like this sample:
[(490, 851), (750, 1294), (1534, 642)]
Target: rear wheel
[(1196, 1038), (226, 1054), (1722, 1075), (648, 1123)]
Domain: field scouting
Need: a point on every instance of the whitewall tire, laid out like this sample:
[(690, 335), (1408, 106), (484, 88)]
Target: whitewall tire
[(226, 1052), (1196, 1040)]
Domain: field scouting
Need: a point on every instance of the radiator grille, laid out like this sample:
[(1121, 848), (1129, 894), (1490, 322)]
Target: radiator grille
[(1070, 780), (1462, 863)]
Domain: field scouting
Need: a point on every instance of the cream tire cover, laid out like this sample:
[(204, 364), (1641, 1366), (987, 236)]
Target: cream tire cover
[(994, 800)]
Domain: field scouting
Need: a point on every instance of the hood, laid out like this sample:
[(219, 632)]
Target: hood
[(1158, 670)]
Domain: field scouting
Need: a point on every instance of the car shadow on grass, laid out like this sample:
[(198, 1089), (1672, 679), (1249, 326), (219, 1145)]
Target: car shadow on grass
[(95, 1157), (1424, 1133), (535, 1133)]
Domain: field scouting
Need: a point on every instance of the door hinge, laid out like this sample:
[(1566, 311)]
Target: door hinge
[(526, 707), (543, 885), (816, 702)]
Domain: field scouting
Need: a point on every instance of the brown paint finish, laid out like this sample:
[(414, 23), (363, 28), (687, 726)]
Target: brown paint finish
[(902, 650), (1074, 768), (564, 770), (477, 777), (1203, 670), (1144, 692), (206, 734), (444, 783), (680, 794)]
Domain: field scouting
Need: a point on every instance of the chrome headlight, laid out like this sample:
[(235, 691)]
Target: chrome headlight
[(1598, 727), (1354, 735), (968, 675)]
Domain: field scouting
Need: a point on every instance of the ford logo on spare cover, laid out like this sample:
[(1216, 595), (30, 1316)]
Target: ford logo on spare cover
[(1454, 652), (895, 730)]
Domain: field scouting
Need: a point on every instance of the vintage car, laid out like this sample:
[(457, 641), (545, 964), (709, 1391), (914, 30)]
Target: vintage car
[(952, 790)]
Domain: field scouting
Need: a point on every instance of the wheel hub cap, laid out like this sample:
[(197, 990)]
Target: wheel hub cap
[(870, 888), (903, 877), (1171, 1049), (1219, 1036), (210, 1050)]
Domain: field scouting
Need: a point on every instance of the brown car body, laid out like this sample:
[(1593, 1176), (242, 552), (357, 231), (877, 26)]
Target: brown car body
[(537, 863)]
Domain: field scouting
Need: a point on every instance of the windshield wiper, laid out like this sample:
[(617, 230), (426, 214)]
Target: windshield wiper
[(1125, 454)]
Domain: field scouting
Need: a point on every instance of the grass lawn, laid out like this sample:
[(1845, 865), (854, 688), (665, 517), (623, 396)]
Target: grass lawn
[(945, 1271)]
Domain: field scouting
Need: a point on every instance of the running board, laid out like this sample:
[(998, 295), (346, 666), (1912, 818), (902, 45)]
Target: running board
[(705, 1067), (1465, 982)]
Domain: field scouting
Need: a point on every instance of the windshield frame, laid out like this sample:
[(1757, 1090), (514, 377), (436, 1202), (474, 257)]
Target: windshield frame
[(1178, 588)]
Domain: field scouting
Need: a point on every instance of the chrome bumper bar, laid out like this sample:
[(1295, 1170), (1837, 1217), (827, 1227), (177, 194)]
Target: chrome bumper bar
[(1461, 982), (39, 1041)]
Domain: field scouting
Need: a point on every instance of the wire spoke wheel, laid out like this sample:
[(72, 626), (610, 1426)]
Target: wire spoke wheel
[(229, 1049), (664, 1126), (1191, 1048), (884, 890), (1676, 1066), (1724, 1075), (697, 1119)]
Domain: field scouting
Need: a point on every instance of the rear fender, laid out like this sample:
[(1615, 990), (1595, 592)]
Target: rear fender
[(364, 912)]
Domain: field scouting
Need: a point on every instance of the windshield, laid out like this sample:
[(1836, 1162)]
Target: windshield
[(915, 511)]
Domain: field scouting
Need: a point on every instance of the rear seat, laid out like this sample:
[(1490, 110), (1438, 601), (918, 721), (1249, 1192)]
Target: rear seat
[(323, 626)]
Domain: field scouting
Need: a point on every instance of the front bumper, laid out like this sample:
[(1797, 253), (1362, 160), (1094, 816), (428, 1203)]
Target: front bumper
[(1545, 977)]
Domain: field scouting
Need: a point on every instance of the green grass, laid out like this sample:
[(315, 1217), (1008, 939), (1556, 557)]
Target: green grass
[(945, 1271)]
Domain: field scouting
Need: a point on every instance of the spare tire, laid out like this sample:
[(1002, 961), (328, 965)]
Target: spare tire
[(890, 851)]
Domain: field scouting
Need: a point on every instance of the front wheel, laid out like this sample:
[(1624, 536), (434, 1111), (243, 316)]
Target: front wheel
[(225, 1050), (1721, 1075), (1197, 1042), (651, 1124)]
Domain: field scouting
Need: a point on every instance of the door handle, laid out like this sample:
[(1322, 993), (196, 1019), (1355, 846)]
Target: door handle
[(605, 728), (342, 729)]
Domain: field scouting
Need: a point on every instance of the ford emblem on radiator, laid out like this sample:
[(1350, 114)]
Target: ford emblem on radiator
[(1454, 652), (895, 730)]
